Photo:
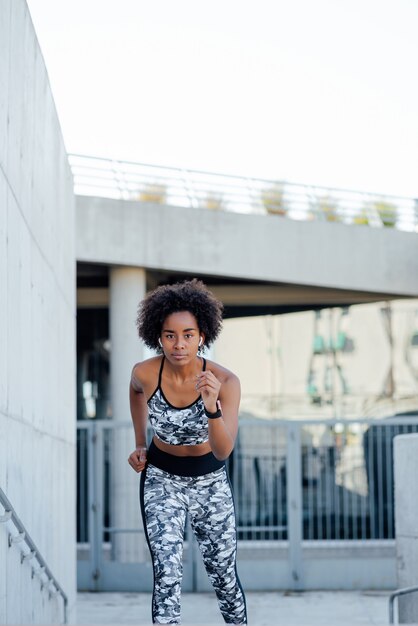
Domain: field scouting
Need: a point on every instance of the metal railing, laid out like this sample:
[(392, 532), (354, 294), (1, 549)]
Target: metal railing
[(396, 594), (29, 551), (345, 473), (203, 190), (296, 483)]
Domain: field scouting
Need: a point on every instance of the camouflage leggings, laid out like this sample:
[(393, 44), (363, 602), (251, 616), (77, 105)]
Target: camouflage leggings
[(207, 499)]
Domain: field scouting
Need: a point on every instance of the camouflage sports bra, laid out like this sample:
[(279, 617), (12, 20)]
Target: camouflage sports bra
[(178, 426)]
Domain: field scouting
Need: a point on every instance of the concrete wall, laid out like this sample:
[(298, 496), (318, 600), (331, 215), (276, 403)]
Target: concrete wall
[(267, 247), (406, 516), (37, 325)]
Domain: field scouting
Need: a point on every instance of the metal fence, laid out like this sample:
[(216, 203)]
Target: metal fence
[(203, 190), (295, 484)]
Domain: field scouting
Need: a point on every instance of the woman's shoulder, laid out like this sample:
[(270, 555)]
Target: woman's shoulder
[(223, 374), (147, 369)]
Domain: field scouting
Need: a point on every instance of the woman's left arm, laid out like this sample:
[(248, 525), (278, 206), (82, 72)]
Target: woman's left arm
[(222, 430)]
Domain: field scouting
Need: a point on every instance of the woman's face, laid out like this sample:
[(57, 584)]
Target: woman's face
[(180, 337)]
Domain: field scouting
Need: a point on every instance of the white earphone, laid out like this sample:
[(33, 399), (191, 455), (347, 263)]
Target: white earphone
[(159, 341), (200, 341)]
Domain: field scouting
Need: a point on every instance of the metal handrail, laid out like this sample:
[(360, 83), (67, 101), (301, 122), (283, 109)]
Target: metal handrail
[(10, 517), (396, 594), (182, 187)]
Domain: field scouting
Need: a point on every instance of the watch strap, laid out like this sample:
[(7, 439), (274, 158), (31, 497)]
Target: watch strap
[(213, 416)]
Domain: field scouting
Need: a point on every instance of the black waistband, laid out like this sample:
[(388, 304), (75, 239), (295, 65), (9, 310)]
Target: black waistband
[(183, 465)]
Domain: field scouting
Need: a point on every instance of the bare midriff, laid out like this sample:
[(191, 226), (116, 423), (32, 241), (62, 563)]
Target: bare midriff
[(196, 450)]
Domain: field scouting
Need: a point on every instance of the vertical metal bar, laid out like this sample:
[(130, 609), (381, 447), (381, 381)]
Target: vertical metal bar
[(350, 486), (363, 500), (336, 488), (271, 495), (282, 481), (308, 492), (319, 493), (91, 489), (95, 453), (372, 487), (253, 494), (380, 503), (100, 475), (83, 480), (273, 513), (294, 504), (389, 485), (326, 470), (188, 185), (333, 489), (267, 490), (346, 534), (354, 494)]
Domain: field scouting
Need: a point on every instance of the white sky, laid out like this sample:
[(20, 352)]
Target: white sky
[(311, 91)]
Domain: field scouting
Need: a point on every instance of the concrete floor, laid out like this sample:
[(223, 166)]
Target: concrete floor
[(309, 608)]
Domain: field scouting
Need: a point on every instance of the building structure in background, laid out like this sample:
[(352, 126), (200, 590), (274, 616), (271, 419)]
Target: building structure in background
[(344, 362), (314, 332)]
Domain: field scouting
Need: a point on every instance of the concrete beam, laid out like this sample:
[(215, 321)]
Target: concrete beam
[(267, 248), (251, 295)]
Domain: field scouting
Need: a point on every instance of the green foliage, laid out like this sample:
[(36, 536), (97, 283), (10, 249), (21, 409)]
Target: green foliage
[(387, 212), (361, 217)]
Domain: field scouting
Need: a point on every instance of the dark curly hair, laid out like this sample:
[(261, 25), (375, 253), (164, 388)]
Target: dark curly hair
[(190, 295)]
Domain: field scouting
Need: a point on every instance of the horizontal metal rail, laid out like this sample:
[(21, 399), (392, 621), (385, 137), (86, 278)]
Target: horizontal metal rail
[(110, 424), (213, 191), (29, 550), (396, 594), (304, 485), (346, 478)]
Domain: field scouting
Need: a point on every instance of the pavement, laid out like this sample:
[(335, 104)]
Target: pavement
[(308, 608)]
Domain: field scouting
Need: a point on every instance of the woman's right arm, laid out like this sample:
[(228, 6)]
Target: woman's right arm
[(139, 414)]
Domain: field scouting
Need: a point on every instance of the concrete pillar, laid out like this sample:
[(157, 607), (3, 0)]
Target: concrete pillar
[(406, 523), (127, 288)]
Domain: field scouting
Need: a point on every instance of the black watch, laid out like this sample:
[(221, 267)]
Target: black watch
[(213, 416)]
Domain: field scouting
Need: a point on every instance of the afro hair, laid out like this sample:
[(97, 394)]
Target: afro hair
[(190, 295)]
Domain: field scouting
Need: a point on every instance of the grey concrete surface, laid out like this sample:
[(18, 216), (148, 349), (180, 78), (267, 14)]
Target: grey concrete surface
[(292, 252), (127, 288), (406, 515), (289, 608), (37, 326)]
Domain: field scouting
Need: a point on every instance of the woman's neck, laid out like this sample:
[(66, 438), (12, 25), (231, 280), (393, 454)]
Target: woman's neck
[(183, 373)]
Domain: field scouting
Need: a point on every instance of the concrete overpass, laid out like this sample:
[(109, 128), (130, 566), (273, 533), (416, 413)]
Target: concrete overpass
[(256, 263)]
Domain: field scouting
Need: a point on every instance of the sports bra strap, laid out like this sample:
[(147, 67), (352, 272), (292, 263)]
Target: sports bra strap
[(161, 371)]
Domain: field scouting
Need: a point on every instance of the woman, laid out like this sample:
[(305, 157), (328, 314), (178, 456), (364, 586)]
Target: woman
[(192, 406)]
